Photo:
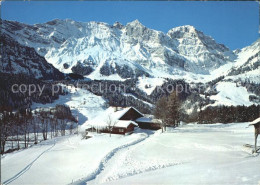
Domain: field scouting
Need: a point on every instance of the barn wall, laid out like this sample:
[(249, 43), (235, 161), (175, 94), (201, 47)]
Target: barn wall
[(115, 130), (151, 126), (130, 128)]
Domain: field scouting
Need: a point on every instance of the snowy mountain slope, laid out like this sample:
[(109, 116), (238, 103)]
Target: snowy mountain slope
[(17, 58), (83, 104), (241, 79), (230, 93), (130, 50), (247, 65), (234, 83)]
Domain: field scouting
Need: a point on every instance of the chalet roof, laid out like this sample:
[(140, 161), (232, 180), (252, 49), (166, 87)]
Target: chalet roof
[(125, 123), (118, 114), (125, 110), (256, 121)]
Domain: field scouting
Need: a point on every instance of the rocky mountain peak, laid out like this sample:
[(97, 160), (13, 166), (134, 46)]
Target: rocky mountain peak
[(118, 25), (136, 23), (181, 32)]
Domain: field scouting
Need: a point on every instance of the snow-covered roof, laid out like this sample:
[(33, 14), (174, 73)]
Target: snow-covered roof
[(144, 119), (148, 120), (125, 123), (255, 121)]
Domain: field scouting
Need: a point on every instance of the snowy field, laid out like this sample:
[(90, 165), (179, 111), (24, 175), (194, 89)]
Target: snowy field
[(190, 154)]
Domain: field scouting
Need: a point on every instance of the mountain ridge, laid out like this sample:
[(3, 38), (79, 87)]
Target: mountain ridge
[(101, 51), (132, 46)]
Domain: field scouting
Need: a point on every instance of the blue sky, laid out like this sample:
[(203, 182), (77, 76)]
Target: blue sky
[(233, 23)]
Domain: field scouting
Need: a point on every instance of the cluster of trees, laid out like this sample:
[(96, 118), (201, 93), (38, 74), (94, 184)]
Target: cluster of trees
[(168, 110), (26, 126)]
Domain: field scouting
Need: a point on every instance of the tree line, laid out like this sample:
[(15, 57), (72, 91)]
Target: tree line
[(227, 114), (10, 100)]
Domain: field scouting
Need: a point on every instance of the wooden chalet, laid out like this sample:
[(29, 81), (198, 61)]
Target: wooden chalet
[(122, 121)]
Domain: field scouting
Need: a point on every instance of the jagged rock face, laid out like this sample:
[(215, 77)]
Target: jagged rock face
[(201, 50), (68, 44), (21, 59)]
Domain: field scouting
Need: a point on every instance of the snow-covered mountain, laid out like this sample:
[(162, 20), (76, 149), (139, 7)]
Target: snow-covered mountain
[(17, 58), (97, 49)]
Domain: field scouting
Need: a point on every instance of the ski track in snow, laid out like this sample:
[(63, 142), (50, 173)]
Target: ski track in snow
[(24, 170), (103, 178), (105, 160), (139, 171)]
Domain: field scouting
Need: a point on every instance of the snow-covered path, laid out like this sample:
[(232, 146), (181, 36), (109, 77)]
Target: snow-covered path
[(111, 156)]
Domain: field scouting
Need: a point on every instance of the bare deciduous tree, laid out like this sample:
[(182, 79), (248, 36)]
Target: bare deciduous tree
[(110, 124)]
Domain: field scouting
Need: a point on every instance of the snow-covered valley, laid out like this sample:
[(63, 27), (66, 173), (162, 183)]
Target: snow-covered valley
[(190, 154)]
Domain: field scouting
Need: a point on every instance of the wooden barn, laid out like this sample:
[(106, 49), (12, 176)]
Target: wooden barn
[(148, 123)]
